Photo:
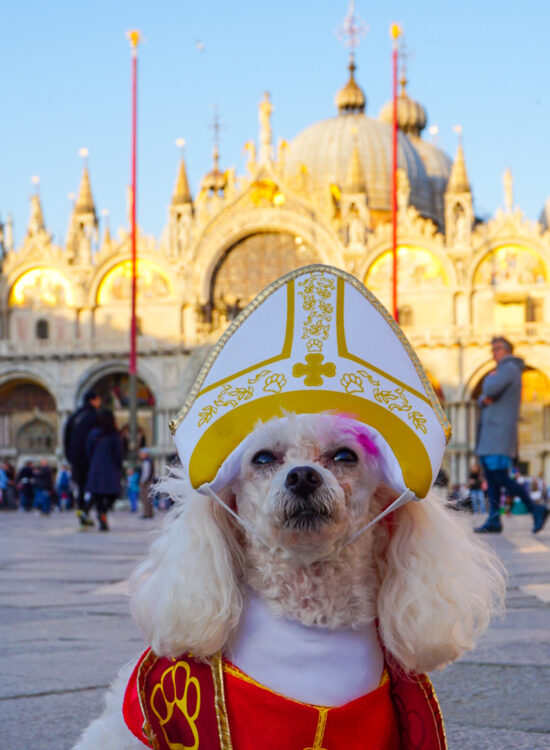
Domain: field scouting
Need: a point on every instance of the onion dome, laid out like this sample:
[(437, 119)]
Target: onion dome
[(215, 181), (411, 116), (351, 99), (334, 151)]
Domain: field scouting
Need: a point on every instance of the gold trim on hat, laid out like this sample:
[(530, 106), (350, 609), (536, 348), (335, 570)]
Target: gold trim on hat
[(430, 396), (285, 352), (230, 429)]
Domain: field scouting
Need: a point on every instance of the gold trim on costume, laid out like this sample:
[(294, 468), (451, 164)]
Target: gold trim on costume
[(217, 667), (320, 731), (434, 696)]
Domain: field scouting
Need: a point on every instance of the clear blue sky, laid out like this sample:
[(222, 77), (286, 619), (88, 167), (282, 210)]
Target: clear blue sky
[(65, 70)]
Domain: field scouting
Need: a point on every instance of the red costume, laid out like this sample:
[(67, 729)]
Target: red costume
[(185, 704)]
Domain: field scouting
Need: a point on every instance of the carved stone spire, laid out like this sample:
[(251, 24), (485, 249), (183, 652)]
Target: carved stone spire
[(508, 185), (458, 181), (182, 193), (36, 218), (85, 202), (355, 182), (83, 223), (459, 210), (266, 134)]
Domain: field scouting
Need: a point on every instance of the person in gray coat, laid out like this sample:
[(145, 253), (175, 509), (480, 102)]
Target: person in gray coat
[(497, 435)]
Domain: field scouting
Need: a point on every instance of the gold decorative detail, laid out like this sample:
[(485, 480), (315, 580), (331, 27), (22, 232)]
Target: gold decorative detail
[(275, 383), (164, 706), (216, 665), (393, 399), (314, 345), (314, 370), (316, 293), (320, 731), (352, 383), (342, 276), (230, 396)]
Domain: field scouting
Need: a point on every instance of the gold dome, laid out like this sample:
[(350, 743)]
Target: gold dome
[(411, 116), (351, 99)]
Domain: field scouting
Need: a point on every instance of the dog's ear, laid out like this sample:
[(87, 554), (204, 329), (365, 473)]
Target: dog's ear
[(439, 585), (187, 595)]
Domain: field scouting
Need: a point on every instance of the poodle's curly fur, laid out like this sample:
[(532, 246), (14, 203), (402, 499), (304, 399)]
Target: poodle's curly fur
[(430, 585)]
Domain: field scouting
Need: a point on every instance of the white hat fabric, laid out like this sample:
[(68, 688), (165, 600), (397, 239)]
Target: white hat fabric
[(315, 340)]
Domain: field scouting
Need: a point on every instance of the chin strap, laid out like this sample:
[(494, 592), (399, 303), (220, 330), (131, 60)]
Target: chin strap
[(403, 498), (207, 490)]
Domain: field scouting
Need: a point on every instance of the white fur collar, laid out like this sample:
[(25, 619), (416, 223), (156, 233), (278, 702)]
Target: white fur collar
[(310, 664)]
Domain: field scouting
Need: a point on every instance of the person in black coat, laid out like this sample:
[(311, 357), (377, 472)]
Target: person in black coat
[(104, 450), (77, 428), (25, 485)]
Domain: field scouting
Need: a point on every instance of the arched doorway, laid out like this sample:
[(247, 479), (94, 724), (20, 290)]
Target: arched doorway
[(28, 419), (248, 266), (534, 420), (114, 389)]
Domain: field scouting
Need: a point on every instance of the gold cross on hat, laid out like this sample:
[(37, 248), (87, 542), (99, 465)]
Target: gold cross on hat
[(314, 370)]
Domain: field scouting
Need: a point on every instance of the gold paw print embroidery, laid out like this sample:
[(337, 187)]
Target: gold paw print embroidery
[(176, 702)]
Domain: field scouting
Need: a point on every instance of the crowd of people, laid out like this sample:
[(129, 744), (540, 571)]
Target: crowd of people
[(93, 477), (95, 474)]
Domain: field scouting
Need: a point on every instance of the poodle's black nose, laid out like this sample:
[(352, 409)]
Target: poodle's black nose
[(303, 480)]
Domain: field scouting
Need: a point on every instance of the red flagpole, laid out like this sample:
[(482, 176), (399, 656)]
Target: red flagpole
[(395, 32), (134, 38)]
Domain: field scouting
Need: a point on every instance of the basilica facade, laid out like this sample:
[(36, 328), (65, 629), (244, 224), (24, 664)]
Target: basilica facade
[(325, 197)]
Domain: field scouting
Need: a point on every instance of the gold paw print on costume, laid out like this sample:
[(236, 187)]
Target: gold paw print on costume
[(176, 695), (393, 399), (314, 370)]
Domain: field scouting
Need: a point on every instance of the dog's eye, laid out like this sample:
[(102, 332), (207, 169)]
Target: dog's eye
[(262, 458), (345, 455)]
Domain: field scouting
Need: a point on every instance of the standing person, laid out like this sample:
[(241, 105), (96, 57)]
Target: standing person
[(145, 481), (132, 487), (497, 435), (25, 486), (43, 487), (104, 448), (477, 496), (63, 487), (3, 486), (77, 429)]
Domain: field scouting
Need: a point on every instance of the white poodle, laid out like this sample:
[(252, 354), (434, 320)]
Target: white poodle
[(288, 593)]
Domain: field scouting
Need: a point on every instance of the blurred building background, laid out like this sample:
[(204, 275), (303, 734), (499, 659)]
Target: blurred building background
[(323, 197)]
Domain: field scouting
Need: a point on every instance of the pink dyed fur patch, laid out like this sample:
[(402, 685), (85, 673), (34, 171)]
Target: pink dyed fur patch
[(361, 435), (367, 444)]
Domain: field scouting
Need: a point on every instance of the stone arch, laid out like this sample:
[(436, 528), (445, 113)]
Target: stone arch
[(497, 248), (443, 271), (112, 384), (225, 234), (94, 374), (37, 436), (156, 279), (24, 400), (39, 285)]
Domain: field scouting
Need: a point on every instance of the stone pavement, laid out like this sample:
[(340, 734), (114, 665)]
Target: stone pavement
[(65, 630)]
